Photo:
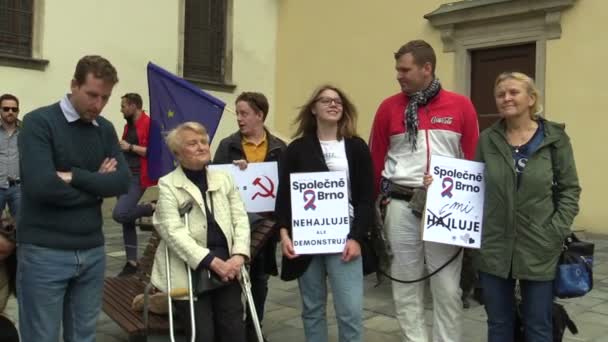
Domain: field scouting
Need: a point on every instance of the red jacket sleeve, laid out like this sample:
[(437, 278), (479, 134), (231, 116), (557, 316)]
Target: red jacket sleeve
[(470, 130), (379, 142), (145, 130)]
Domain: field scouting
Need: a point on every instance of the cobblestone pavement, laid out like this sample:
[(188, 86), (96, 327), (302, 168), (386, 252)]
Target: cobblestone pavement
[(283, 323)]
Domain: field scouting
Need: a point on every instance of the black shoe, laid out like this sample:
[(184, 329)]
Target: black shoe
[(128, 270), (477, 295)]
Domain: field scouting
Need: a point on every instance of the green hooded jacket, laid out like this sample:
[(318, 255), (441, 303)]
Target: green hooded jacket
[(523, 229)]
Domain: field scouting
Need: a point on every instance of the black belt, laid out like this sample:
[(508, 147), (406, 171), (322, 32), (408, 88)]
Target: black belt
[(13, 182), (401, 196)]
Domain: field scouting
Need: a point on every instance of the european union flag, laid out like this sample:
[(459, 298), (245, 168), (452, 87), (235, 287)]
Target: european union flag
[(173, 101)]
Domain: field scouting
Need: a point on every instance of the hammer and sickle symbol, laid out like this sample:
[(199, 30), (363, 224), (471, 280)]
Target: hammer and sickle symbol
[(267, 191)]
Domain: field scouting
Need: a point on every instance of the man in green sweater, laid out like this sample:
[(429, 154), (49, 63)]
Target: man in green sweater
[(70, 161)]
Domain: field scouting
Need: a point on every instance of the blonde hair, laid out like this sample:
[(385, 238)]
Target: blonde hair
[(174, 139), (306, 121), (536, 109)]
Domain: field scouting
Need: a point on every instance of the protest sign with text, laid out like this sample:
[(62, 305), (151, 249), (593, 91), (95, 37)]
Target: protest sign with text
[(454, 202), (257, 184), (319, 209)]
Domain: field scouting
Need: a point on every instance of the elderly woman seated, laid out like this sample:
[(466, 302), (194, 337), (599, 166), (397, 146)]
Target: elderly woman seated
[(214, 243)]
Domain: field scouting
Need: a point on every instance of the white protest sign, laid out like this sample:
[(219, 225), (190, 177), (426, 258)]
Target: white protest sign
[(319, 209), (454, 202), (257, 184)]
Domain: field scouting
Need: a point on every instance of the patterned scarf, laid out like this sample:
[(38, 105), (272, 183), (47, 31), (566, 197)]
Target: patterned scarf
[(411, 112)]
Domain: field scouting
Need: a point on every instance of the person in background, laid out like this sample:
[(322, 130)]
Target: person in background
[(10, 188), (253, 143), (134, 145)]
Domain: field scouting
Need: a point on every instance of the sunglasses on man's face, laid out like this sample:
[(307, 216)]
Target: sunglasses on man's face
[(11, 109)]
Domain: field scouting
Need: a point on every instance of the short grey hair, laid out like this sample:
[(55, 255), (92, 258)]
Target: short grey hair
[(174, 140)]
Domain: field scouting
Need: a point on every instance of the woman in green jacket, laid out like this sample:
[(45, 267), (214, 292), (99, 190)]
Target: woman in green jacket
[(532, 194)]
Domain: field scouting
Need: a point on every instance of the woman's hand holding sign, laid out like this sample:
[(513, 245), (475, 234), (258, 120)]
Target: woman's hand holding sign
[(352, 250), (427, 180), (241, 163), (287, 245)]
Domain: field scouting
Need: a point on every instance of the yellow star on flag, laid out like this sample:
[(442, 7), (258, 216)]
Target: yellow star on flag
[(170, 113)]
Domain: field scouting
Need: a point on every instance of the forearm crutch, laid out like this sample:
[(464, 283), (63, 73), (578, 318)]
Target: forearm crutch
[(246, 286), (185, 212)]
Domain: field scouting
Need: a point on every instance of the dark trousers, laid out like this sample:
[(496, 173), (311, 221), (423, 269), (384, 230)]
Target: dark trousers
[(536, 308), (468, 274), (126, 211), (259, 291), (8, 331), (259, 284), (218, 315)]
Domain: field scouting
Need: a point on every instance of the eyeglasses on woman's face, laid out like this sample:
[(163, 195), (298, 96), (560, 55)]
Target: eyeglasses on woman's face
[(327, 101)]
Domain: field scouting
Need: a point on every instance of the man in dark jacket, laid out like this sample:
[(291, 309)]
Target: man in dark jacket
[(253, 143)]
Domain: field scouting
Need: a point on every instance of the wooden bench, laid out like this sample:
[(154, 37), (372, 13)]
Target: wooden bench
[(118, 293)]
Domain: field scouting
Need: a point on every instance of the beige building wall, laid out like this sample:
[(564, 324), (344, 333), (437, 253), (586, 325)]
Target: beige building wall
[(575, 95), (132, 33), (350, 43)]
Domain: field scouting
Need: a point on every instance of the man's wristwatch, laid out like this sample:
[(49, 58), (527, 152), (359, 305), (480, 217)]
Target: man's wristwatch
[(130, 147)]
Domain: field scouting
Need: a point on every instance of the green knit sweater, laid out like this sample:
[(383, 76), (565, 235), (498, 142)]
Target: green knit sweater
[(55, 214)]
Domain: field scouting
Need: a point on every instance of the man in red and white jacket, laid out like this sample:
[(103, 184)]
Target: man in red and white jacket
[(420, 121), (134, 145)]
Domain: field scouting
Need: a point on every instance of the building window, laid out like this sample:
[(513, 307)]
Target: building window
[(205, 37), (16, 27)]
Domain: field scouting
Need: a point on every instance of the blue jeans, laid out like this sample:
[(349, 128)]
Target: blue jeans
[(536, 308), (127, 211), (346, 281), (55, 285), (12, 197)]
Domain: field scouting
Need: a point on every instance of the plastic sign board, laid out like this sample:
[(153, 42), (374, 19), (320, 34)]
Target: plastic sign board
[(257, 184), (454, 202), (320, 213)]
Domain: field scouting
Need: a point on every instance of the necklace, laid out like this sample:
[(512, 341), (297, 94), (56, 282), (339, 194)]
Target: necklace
[(520, 138)]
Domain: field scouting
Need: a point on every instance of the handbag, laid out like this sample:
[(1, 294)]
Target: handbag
[(559, 317), (204, 279), (574, 276)]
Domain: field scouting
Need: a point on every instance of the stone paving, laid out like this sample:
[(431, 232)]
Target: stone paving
[(283, 323)]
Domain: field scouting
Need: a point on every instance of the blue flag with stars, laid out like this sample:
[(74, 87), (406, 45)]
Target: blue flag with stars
[(173, 101)]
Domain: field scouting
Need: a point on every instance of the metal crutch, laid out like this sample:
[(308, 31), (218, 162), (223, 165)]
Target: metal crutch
[(246, 286), (185, 212)]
